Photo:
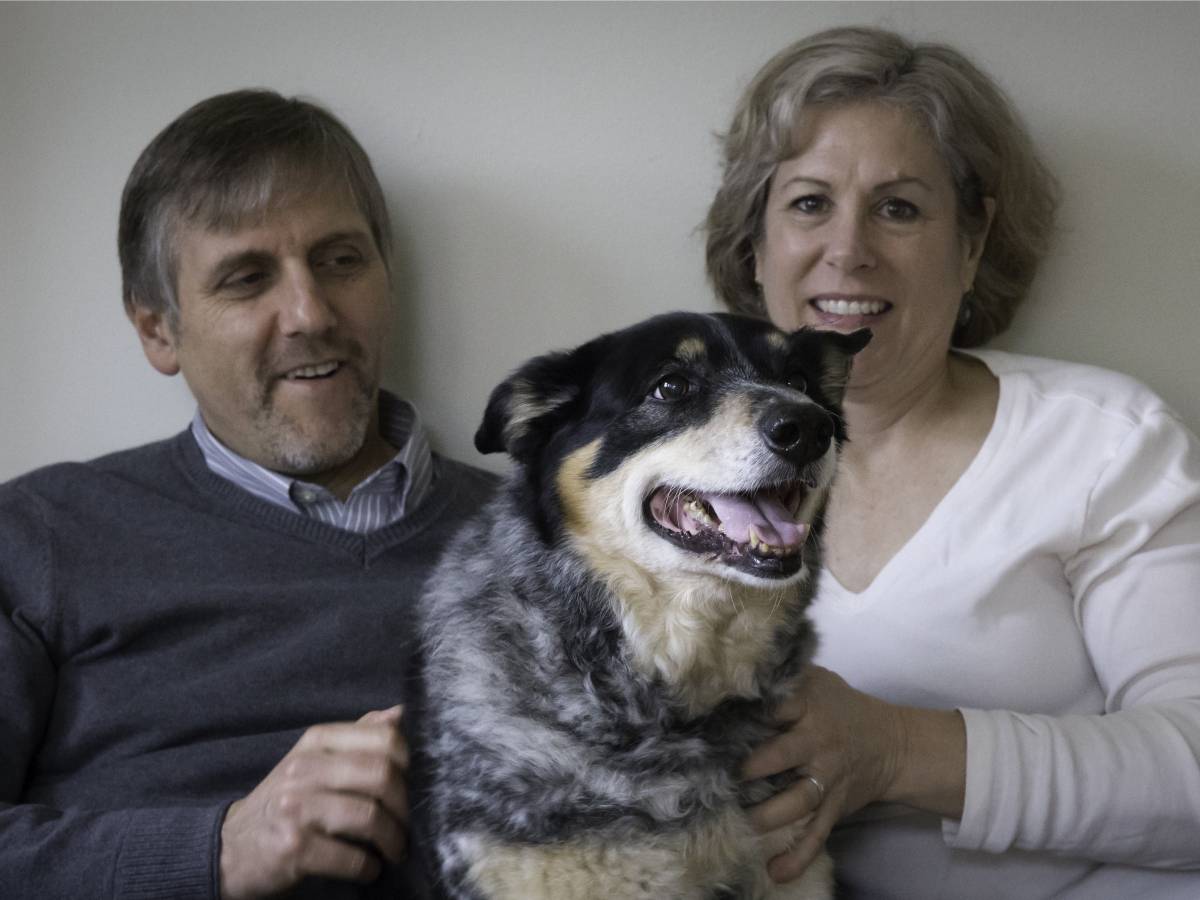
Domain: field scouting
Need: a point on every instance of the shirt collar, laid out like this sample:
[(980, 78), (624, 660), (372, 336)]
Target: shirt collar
[(408, 476)]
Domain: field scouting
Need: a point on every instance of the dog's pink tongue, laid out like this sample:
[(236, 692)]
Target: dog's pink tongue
[(767, 514)]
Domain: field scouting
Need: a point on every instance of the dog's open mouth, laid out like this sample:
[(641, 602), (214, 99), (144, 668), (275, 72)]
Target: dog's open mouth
[(757, 532)]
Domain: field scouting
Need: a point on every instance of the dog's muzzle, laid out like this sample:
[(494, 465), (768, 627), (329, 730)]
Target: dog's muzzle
[(758, 531)]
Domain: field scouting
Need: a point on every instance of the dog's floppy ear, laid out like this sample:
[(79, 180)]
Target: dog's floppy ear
[(836, 358), (523, 409)]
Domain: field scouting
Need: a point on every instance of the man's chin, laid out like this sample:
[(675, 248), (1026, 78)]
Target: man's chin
[(303, 443), (309, 456), (311, 463)]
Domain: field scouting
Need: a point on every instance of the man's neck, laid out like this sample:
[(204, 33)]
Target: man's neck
[(374, 454)]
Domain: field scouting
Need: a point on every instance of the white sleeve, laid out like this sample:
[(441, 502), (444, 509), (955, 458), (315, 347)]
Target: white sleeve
[(1124, 786)]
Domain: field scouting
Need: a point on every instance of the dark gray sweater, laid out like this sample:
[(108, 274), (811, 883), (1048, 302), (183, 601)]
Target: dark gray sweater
[(165, 638)]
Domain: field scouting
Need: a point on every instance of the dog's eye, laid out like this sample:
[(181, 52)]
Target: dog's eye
[(672, 387), (796, 382)]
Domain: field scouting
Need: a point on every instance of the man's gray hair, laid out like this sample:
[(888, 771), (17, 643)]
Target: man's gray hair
[(224, 160)]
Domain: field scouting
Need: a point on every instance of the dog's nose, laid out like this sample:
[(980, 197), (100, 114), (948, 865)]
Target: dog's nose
[(800, 433)]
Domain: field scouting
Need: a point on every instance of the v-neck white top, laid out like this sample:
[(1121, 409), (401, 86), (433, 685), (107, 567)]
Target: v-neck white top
[(1053, 596)]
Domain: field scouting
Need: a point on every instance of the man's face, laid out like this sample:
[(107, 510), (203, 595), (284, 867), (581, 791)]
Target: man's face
[(280, 333)]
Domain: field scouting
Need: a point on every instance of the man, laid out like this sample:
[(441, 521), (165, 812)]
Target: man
[(203, 640)]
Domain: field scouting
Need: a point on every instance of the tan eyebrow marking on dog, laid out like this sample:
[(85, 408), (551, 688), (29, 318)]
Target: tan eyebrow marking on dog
[(691, 349)]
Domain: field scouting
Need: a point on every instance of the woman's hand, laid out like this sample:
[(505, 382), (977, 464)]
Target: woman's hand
[(861, 750)]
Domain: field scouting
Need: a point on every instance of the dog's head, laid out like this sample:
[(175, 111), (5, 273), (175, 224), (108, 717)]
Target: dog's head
[(692, 443)]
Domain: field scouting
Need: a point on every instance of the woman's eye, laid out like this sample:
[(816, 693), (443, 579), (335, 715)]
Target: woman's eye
[(797, 383), (673, 387), (810, 203), (899, 210)]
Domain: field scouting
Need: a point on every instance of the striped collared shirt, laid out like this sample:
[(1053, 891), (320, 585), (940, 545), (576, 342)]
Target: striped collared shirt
[(380, 500)]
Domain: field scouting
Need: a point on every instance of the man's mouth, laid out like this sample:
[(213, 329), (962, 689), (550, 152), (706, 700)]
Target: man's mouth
[(756, 531), (311, 372)]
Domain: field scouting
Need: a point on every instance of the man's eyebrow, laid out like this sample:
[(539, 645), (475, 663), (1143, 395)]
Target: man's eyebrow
[(351, 234), (252, 257)]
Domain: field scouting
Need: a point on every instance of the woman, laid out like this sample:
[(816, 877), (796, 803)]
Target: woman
[(1012, 558)]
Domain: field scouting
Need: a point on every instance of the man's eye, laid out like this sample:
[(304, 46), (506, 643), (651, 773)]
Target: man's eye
[(245, 282), (899, 210), (340, 261), (672, 387)]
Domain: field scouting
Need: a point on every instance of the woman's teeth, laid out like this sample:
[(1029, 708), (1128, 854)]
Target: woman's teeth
[(850, 307)]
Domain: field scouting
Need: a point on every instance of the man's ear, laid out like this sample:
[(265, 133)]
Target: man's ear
[(158, 338)]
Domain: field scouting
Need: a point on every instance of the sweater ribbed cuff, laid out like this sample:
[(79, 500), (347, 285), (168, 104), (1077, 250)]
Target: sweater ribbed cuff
[(173, 854)]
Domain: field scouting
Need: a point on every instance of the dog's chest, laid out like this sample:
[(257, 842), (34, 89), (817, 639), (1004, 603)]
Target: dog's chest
[(707, 646)]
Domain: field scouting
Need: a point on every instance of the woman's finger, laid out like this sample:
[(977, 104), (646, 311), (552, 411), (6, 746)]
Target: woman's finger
[(779, 754), (791, 865), (786, 807)]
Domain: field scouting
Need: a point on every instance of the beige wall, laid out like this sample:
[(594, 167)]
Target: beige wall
[(547, 166)]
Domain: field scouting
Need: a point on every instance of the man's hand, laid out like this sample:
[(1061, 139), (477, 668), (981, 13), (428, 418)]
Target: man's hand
[(338, 795)]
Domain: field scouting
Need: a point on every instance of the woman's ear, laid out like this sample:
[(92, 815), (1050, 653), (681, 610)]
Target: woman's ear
[(973, 245)]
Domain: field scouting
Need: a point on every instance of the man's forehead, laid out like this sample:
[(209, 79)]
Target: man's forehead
[(292, 219)]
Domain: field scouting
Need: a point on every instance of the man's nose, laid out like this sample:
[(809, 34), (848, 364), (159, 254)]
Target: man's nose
[(304, 304)]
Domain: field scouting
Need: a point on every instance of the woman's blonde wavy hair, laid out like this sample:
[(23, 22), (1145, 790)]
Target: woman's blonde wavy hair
[(973, 125)]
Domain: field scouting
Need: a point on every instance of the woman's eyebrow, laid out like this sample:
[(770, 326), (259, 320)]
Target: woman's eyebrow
[(902, 181), (890, 184)]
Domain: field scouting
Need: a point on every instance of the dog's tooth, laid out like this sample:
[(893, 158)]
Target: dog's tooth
[(758, 543), (696, 509)]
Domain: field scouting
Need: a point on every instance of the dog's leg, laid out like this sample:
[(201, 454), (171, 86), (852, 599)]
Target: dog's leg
[(817, 881), (815, 884), (578, 870)]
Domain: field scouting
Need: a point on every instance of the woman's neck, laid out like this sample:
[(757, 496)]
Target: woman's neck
[(894, 406), (957, 396)]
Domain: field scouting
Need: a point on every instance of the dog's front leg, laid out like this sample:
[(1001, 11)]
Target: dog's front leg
[(815, 884), (817, 881), (576, 870)]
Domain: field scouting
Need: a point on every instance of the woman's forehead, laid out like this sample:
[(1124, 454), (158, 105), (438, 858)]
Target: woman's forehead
[(873, 142)]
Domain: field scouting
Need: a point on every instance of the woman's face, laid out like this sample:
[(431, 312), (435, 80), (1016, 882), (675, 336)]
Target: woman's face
[(860, 231)]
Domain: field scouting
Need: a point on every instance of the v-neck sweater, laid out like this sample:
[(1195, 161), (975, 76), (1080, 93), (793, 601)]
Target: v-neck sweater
[(165, 638)]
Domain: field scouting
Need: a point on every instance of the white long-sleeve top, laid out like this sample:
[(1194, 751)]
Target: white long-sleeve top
[(1053, 596)]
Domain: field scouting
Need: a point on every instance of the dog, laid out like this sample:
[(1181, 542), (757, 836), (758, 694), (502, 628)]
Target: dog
[(604, 645)]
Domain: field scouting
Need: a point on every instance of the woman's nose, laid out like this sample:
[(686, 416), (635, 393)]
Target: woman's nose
[(848, 247)]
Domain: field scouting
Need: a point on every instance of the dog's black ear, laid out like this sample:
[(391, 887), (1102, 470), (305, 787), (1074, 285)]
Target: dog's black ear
[(838, 355), (523, 409)]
